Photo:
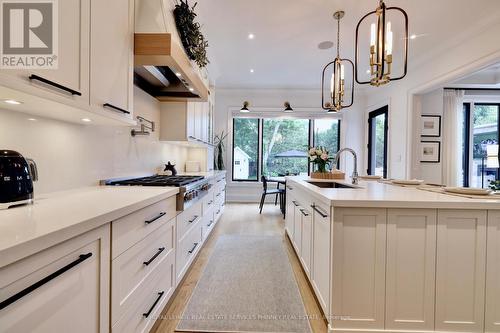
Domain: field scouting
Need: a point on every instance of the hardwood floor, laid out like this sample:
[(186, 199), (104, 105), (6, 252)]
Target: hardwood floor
[(240, 219)]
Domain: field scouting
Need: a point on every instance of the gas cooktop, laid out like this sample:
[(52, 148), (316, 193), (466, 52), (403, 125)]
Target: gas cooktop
[(159, 180)]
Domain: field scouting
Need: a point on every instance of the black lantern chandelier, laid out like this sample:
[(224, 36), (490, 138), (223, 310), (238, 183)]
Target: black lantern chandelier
[(381, 46), (336, 100)]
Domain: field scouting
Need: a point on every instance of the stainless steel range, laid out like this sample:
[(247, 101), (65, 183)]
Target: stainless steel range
[(191, 188)]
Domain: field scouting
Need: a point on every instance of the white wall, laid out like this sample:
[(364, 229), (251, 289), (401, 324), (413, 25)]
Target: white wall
[(471, 49), (72, 155), (226, 99)]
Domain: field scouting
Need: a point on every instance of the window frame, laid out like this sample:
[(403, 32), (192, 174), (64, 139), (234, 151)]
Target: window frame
[(260, 118), (371, 116)]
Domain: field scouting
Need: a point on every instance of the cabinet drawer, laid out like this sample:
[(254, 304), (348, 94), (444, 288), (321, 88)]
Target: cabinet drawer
[(130, 229), (208, 202), (134, 266), (157, 290), (68, 285), (187, 219), (208, 224), (187, 249)]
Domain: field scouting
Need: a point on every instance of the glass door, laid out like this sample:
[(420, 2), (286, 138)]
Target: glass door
[(377, 142)]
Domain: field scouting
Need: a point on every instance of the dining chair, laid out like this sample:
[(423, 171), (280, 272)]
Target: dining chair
[(266, 191)]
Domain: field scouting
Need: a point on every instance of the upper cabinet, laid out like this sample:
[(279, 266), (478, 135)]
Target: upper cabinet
[(95, 64), (186, 121), (112, 55)]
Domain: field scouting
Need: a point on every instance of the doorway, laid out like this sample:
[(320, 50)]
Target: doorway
[(377, 141)]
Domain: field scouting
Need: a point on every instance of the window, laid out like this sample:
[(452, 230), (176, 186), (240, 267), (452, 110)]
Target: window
[(481, 134), (245, 149), (284, 147), (327, 134), (276, 146), (377, 142)]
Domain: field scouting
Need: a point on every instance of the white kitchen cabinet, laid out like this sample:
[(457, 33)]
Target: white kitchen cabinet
[(289, 215), (112, 55), (297, 227), (321, 255), (184, 121), (73, 59), (359, 257), (306, 240), (460, 270), (492, 317), (73, 290), (410, 269)]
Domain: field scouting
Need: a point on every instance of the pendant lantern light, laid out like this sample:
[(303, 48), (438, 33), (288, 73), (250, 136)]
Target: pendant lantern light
[(337, 81), (381, 50), (288, 107)]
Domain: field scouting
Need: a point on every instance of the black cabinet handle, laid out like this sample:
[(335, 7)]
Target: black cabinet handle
[(155, 218), (146, 314), (54, 84), (194, 219), (210, 202), (319, 211), (218, 211), (160, 250), (43, 281), (304, 212), (194, 247), (295, 203), (211, 222), (111, 106), (219, 180), (218, 195)]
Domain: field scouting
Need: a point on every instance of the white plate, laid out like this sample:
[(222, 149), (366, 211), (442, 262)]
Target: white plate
[(407, 181), (468, 190), (369, 177)]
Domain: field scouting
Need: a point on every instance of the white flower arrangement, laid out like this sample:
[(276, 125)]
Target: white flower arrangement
[(320, 157)]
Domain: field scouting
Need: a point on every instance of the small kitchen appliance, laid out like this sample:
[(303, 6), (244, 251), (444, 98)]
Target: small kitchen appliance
[(16, 179)]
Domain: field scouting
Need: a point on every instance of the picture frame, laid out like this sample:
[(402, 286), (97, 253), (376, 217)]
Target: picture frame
[(430, 126), (430, 151)]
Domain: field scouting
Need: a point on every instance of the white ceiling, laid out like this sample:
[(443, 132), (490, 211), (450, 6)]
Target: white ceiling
[(285, 54)]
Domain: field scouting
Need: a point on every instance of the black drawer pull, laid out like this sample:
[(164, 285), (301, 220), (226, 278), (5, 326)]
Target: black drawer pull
[(194, 219), (194, 247), (219, 180), (218, 211), (210, 202), (160, 295), (305, 213), (160, 250), (296, 204), (111, 106), (155, 218), (54, 84), (211, 222), (43, 281), (319, 211), (218, 195)]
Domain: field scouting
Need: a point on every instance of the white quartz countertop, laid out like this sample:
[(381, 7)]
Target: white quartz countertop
[(56, 217), (372, 193), (206, 174)]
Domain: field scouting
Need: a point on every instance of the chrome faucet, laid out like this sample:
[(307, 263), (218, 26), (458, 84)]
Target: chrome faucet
[(355, 174)]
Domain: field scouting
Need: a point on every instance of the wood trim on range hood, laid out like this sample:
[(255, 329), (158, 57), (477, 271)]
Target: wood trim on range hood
[(158, 49)]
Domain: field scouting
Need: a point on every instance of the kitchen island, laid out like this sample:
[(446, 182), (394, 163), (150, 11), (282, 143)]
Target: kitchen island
[(385, 258)]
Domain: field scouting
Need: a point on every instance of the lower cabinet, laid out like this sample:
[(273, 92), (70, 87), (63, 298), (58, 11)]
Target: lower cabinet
[(290, 215), (460, 270), (321, 253), (69, 288), (410, 269), (492, 317), (359, 257), (306, 237)]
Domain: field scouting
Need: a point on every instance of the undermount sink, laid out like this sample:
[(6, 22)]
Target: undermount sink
[(330, 184)]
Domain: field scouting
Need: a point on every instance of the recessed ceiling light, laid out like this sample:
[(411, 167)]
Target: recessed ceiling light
[(327, 44), (86, 120), (252, 70), (12, 102), (191, 89), (178, 74), (413, 36), (31, 119), (251, 36)]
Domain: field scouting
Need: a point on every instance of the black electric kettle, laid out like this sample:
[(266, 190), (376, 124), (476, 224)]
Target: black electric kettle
[(16, 179)]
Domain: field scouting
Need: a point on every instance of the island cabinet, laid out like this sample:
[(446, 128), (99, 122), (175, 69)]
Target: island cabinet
[(64, 288), (460, 270), (358, 260), (492, 317)]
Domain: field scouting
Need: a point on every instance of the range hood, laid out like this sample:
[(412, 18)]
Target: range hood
[(162, 69)]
